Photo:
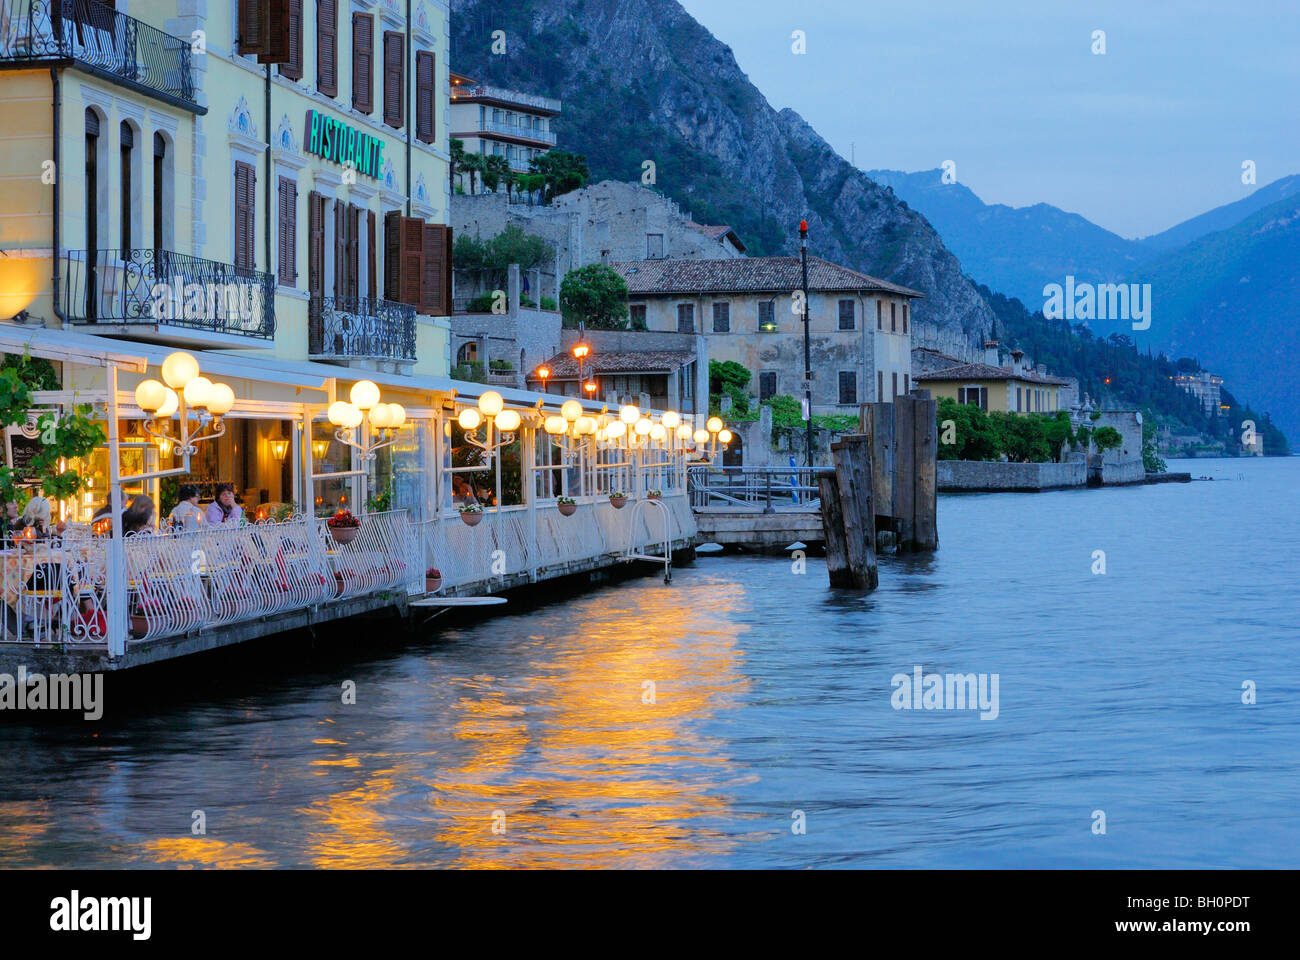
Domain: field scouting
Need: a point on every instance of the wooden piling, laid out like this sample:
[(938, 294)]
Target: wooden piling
[(904, 470), (837, 561), (853, 472), (880, 420), (925, 528)]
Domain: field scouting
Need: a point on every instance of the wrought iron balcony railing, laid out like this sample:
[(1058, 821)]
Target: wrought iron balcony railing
[(360, 328), (483, 91), (93, 35), (160, 287), (511, 130)]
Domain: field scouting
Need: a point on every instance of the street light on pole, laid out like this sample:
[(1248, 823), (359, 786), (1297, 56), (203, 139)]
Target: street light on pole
[(807, 342)]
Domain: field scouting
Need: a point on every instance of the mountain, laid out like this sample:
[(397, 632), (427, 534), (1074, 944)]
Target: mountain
[(1015, 250), (1232, 300), (1221, 218), (641, 80)]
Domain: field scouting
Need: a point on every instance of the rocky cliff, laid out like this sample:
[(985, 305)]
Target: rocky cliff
[(642, 80)]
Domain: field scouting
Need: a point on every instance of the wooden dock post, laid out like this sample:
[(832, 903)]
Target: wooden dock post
[(837, 560), (879, 418), (925, 446), (904, 469), (852, 458)]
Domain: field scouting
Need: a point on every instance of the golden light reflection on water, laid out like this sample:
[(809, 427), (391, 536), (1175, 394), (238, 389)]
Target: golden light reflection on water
[(609, 781), (191, 852)]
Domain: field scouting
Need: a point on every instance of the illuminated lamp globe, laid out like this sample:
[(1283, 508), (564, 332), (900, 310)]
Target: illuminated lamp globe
[(701, 436), (364, 394), (714, 424), (508, 421), (571, 410), (585, 426), (469, 419), (340, 413), (556, 426), (170, 405), (724, 436), (150, 395), (220, 399), (643, 426), (684, 431), (179, 369), (629, 414), (658, 432), (398, 414), (670, 420), (615, 430), (197, 392), (491, 403), (380, 417)]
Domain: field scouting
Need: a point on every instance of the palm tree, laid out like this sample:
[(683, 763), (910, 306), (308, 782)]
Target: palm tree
[(457, 159), (495, 169), (473, 164)]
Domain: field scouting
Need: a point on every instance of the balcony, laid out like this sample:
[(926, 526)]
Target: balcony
[(510, 98), (520, 133), (98, 39), (360, 328), (167, 297)]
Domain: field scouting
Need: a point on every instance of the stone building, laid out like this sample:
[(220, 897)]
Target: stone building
[(1017, 388), (494, 121), (1205, 387), (748, 311)]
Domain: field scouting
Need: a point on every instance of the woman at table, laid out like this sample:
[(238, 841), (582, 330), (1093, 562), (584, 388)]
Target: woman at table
[(138, 515), (36, 517), (224, 509), (187, 515)]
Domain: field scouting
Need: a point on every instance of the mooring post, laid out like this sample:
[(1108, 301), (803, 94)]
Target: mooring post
[(904, 471), (852, 457), (880, 416), (837, 561), (925, 492)]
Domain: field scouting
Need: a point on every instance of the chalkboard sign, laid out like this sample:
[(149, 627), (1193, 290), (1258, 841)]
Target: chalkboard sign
[(21, 448)]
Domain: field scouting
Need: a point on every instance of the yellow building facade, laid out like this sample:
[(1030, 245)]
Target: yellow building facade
[(995, 388)]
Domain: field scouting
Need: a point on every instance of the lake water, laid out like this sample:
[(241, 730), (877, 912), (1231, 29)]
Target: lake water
[(1119, 693)]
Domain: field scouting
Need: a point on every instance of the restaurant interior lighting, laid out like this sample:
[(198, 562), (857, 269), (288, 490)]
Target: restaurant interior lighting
[(319, 448), (279, 448)]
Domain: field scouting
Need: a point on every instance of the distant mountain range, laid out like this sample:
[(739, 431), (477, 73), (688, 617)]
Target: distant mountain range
[(1225, 284)]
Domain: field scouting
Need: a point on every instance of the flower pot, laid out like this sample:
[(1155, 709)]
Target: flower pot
[(567, 509), (653, 499), (471, 519), (139, 625), (618, 503), (344, 535), (432, 584)]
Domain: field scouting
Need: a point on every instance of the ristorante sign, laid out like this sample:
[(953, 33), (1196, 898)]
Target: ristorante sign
[(337, 141)]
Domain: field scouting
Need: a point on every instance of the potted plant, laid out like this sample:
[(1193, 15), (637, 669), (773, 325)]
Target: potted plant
[(567, 505), (654, 495), (432, 580), (618, 499), (470, 513), (344, 527)]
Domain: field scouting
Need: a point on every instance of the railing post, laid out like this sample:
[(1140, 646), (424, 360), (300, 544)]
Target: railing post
[(768, 507)]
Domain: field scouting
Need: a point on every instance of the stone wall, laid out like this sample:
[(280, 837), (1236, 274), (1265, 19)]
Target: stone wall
[(971, 476), (533, 333), (1123, 464)]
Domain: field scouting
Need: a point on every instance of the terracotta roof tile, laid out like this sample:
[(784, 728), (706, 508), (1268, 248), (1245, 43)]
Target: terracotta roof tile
[(985, 371), (747, 275), (564, 366)]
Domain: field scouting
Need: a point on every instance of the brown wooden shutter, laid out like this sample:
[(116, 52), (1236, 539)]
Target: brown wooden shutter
[(393, 75), (245, 220), (275, 31), (363, 62), (424, 88), (340, 249), (372, 286), (412, 260), (291, 69), (393, 256), (327, 47), (354, 250), (251, 15), (435, 257), (448, 247), (316, 244)]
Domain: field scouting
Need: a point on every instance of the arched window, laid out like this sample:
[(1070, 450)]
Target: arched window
[(467, 354)]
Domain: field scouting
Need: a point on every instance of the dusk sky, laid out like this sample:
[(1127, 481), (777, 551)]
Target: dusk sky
[(1150, 133)]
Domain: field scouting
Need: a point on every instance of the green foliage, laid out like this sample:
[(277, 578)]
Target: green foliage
[(548, 303), (596, 296), (469, 372), (1152, 462), (977, 436), (491, 258), (561, 172), (980, 435), (729, 378), (496, 169), (1106, 438)]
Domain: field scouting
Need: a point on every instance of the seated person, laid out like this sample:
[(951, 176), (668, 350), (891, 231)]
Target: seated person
[(187, 514), (224, 509), (461, 491), (36, 517)]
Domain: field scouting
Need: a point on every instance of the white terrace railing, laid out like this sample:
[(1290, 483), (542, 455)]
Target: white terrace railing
[(56, 591)]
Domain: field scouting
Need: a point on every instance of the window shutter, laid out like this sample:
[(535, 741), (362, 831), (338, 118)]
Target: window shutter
[(424, 89), (412, 260), (434, 286), (393, 70), (251, 14), (372, 287), (316, 244), (354, 250), (327, 47), (275, 31), (448, 249), (245, 180), (393, 256), (363, 62), (340, 249), (291, 69)]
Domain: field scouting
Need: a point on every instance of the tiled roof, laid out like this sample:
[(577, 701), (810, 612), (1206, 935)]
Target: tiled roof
[(985, 371), (747, 275), (717, 231), (564, 366)]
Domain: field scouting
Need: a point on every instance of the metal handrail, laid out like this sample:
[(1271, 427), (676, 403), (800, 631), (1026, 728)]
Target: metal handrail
[(768, 487), (360, 328)]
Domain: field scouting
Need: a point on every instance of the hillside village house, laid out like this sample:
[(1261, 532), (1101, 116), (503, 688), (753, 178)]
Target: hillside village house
[(860, 326), (991, 386), (494, 121)]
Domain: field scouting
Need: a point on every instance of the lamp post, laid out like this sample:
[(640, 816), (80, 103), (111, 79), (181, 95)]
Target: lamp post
[(807, 342), (495, 419), (365, 411), (544, 373)]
